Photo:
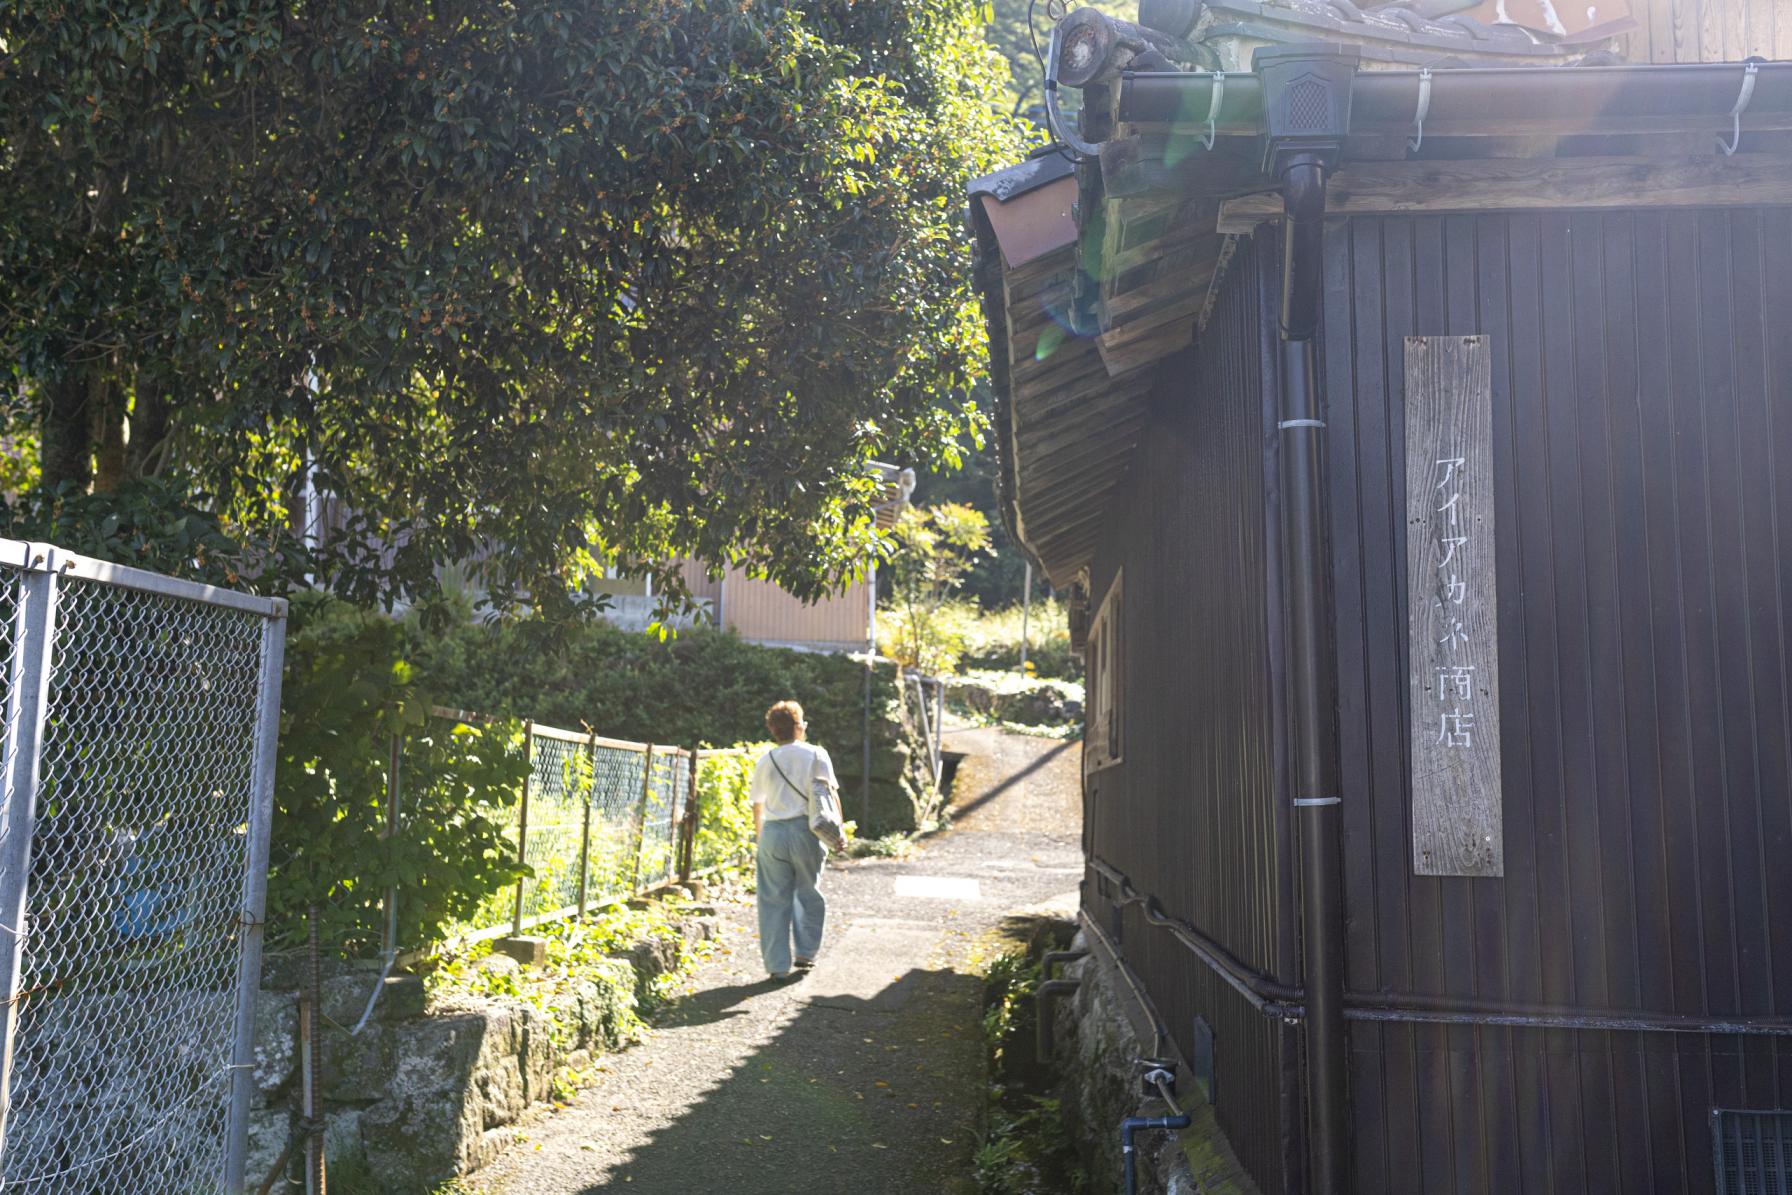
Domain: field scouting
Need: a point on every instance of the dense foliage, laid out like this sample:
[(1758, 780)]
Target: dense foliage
[(349, 690), (936, 547), (355, 680), (635, 279), (152, 524), (702, 688), (995, 580), (1025, 1150), (992, 639), (724, 794)]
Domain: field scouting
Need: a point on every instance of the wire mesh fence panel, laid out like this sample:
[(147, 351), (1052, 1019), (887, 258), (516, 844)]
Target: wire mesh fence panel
[(149, 802), (598, 802), (661, 812), (9, 611), (724, 817), (498, 909), (559, 786), (615, 820)]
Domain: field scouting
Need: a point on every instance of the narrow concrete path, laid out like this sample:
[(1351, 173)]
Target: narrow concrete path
[(867, 1076)]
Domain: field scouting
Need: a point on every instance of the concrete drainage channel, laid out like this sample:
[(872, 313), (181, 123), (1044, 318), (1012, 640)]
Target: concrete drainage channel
[(1025, 1150)]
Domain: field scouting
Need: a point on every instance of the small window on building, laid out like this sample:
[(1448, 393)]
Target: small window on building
[(1102, 745)]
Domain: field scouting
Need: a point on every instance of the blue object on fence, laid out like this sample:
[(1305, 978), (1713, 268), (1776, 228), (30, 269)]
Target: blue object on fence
[(147, 912)]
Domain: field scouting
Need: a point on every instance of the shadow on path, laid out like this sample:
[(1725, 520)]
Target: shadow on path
[(711, 1005), (861, 1095), (866, 1076), (1043, 761)]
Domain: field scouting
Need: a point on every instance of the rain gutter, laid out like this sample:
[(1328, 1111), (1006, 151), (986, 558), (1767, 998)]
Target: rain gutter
[(1489, 101)]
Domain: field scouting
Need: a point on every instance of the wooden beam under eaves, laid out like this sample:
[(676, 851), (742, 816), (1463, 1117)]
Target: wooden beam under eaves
[(1132, 347), (1533, 184)]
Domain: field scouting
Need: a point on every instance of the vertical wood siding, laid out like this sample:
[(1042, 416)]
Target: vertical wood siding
[(1642, 403), (1709, 30), (1196, 811)]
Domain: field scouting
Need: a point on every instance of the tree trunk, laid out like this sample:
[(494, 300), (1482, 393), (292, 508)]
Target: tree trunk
[(150, 416), (106, 401), (67, 450)]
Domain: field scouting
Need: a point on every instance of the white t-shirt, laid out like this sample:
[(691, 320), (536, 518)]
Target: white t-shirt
[(803, 763)]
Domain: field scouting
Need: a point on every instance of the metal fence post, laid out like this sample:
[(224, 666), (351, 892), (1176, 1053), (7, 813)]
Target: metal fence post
[(865, 744), (255, 876), (634, 884), (921, 703), (394, 798), (34, 632), (522, 822), (673, 821), (311, 1008), (687, 846), (585, 830), (939, 725)]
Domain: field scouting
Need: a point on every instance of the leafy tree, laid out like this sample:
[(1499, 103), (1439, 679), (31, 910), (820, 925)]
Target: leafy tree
[(996, 580), (349, 690), (628, 279), (936, 547)]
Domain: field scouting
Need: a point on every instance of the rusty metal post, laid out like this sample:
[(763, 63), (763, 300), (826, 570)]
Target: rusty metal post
[(939, 725), (687, 848), (672, 819), (585, 829), (634, 884), (522, 822), (312, 1104)]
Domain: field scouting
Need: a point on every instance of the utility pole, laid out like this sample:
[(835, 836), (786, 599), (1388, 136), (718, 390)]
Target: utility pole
[(1026, 610)]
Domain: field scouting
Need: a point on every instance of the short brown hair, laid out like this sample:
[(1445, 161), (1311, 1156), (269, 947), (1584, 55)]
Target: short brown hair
[(783, 719)]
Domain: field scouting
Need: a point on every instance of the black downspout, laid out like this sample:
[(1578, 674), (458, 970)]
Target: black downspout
[(1307, 111)]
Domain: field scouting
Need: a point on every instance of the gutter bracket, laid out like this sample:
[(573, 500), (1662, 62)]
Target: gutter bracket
[(1750, 71), (1424, 110), (1216, 92)]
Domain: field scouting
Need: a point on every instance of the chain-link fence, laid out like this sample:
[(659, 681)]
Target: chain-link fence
[(137, 760), (599, 820)]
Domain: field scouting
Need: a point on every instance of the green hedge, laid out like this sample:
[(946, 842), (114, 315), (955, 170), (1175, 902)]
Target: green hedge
[(354, 679), (701, 688)]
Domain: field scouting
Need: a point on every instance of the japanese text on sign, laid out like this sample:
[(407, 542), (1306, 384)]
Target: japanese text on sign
[(1452, 608)]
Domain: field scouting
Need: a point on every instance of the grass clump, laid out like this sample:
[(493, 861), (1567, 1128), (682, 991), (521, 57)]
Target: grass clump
[(962, 637), (589, 992), (992, 640), (1025, 1150), (887, 846)]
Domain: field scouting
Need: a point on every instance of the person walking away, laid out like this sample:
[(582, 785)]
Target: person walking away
[(790, 856)]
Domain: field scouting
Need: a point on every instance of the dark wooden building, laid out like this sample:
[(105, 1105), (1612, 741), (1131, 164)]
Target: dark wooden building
[(1431, 546)]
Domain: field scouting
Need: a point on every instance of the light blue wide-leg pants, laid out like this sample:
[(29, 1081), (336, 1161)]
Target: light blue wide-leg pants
[(790, 863)]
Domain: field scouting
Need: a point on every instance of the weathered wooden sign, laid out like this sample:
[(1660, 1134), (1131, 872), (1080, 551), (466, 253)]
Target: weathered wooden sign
[(1452, 608)]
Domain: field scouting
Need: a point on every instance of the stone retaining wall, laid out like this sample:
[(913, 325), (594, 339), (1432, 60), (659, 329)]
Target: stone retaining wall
[(427, 1091), (1095, 1061)]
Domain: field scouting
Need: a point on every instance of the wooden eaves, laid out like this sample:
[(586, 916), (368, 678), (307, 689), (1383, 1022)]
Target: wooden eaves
[(1103, 295)]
